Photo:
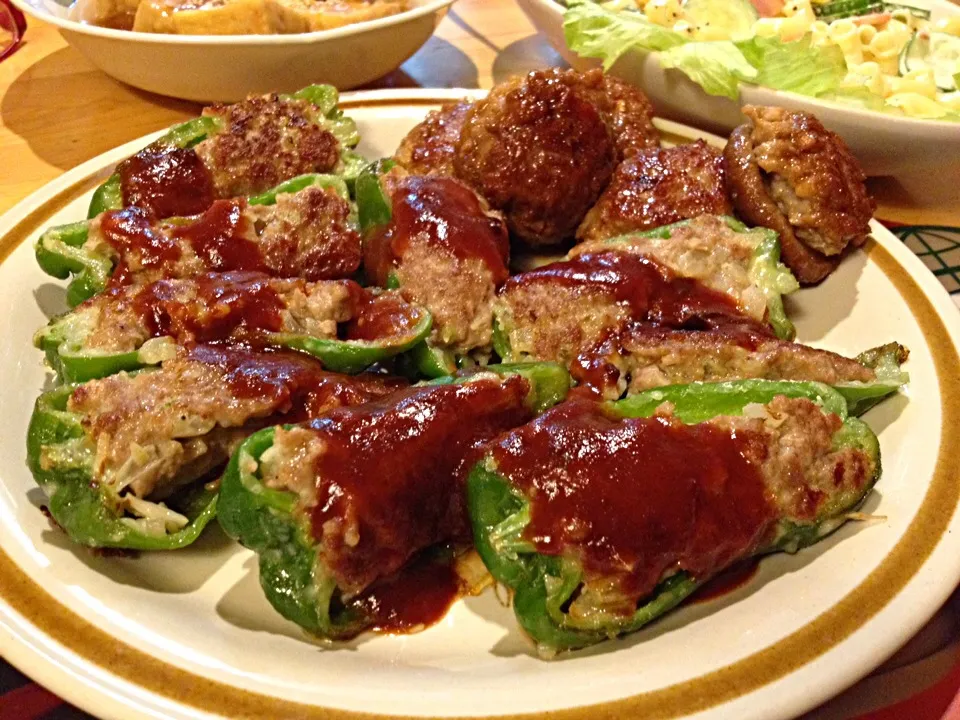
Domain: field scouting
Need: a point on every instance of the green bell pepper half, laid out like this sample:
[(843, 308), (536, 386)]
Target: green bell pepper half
[(772, 277), (542, 585), (268, 522), (89, 512)]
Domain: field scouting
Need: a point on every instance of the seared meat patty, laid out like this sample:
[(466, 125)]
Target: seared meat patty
[(645, 356), (540, 150), (265, 141), (431, 146), (657, 187), (785, 171)]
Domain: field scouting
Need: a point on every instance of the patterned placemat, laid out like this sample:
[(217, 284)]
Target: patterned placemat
[(939, 248)]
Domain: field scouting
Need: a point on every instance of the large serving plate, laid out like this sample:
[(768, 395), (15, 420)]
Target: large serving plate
[(230, 67), (885, 144), (188, 634)]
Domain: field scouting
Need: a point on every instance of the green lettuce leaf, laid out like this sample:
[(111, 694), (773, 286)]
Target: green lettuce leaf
[(797, 66), (593, 31), (717, 67)]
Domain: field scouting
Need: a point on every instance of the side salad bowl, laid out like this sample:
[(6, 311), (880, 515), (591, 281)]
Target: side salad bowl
[(226, 68), (884, 144)]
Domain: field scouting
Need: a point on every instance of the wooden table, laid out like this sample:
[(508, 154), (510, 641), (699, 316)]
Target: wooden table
[(57, 110)]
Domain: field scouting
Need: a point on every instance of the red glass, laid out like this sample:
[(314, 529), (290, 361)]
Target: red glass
[(12, 27)]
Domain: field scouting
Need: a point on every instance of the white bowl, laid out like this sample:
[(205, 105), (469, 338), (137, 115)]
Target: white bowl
[(229, 67), (884, 144)]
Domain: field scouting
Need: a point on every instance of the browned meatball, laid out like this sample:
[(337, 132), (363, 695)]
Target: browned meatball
[(630, 117), (540, 150), (429, 148), (658, 187), (787, 172)]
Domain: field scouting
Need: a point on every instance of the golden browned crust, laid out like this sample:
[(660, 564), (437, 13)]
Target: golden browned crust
[(538, 149), (266, 140), (657, 187), (431, 146), (630, 117)]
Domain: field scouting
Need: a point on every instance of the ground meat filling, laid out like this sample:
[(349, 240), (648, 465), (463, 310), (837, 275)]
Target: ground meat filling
[(217, 306), (706, 250), (307, 234), (383, 481), (658, 187), (634, 501), (645, 357), (154, 431), (538, 149), (785, 171), (429, 149), (266, 140)]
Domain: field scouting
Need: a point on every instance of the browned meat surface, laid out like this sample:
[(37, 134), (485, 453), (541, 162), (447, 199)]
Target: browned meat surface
[(630, 117), (787, 172), (644, 357), (658, 187), (539, 149), (306, 234), (432, 145), (156, 430), (265, 141)]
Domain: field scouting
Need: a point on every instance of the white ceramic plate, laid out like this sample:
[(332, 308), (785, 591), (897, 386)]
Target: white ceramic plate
[(884, 144), (229, 67), (188, 634)]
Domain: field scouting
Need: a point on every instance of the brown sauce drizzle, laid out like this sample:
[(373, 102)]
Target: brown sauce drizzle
[(130, 232), (385, 316), (166, 181), (728, 581), (220, 238), (652, 291), (634, 499), (415, 598), (294, 383), (224, 302), (393, 472), (446, 214)]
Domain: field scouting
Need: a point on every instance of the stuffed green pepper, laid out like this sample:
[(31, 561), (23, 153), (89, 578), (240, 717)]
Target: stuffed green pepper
[(437, 241), (724, 255), (339, 510), (130, 461), (234, 150), (645, 356), (601, 517), (349, 328), (308, 233)]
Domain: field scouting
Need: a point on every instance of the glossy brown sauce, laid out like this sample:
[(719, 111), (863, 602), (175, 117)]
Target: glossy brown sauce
[(166, 181), (224, 302), (221, 238), (130, 232), (634, 499), (448, 215), (382, 316), (296, 384), (415, 598), (652, 291), (395, 469), (731, 579)]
